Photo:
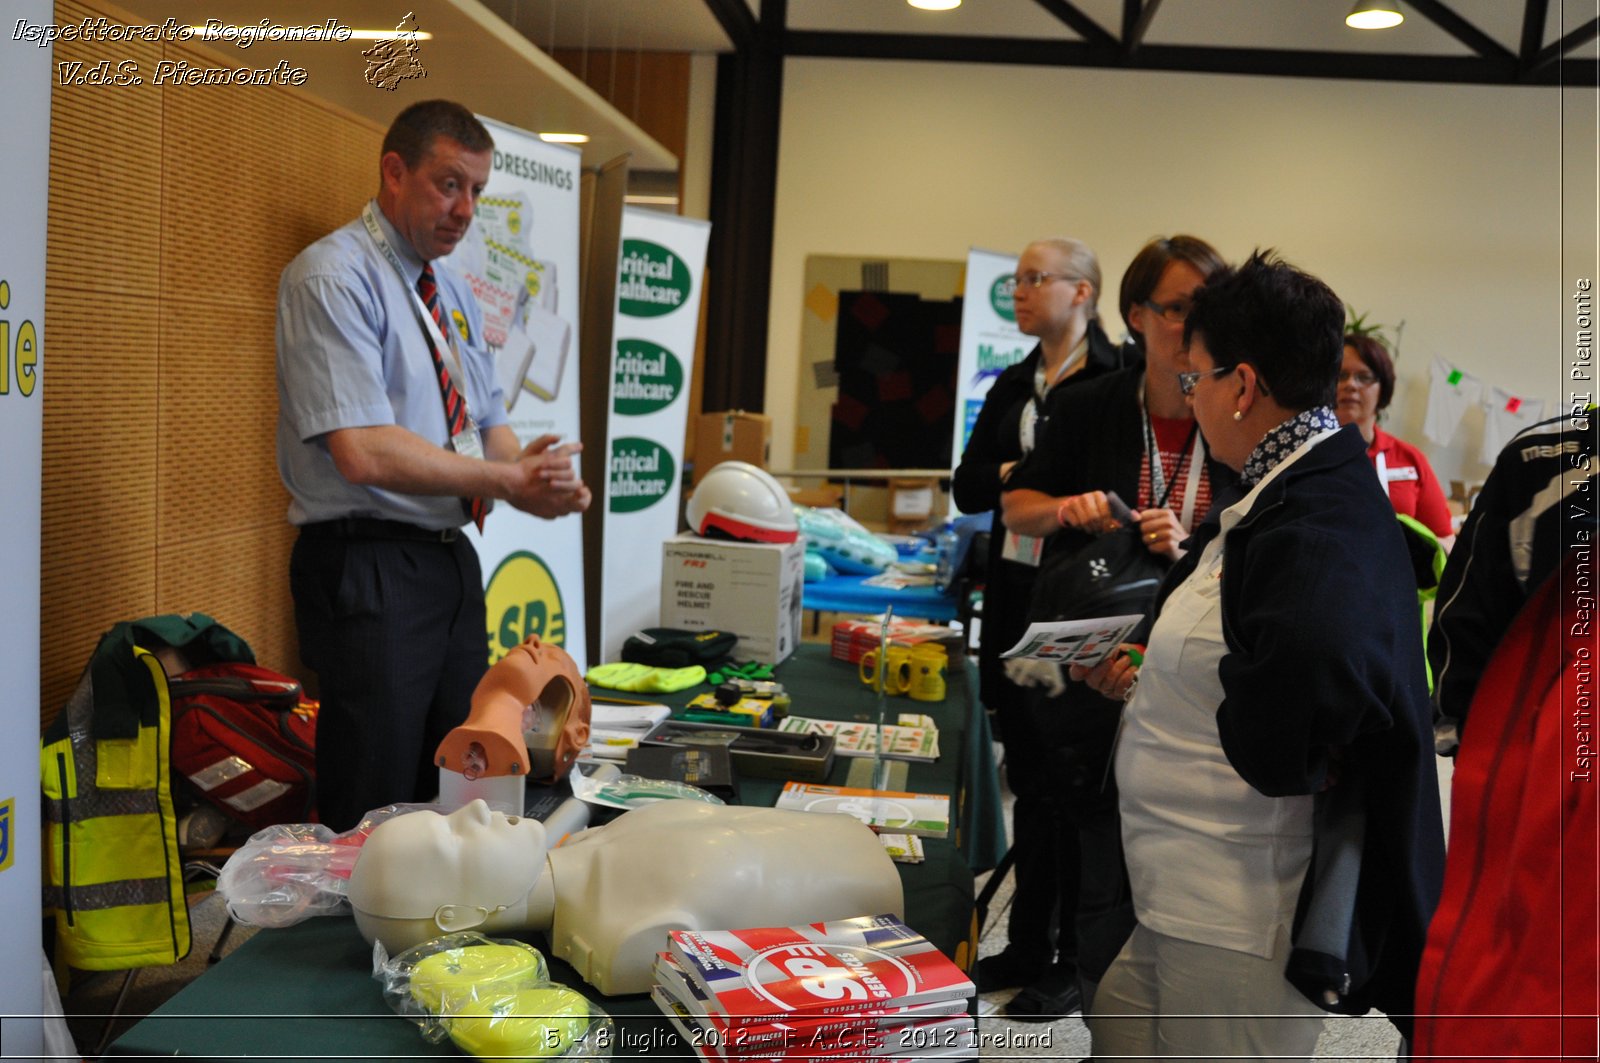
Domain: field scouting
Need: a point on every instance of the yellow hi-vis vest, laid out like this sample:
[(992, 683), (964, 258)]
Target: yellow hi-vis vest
[(113, 878)]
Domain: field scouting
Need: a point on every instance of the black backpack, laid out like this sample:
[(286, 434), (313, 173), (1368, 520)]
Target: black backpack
[(1114, 575)]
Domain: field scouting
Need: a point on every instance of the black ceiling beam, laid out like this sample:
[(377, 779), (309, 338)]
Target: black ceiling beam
[(1136, 22), (1462, 30), (1551, 54), (744, 181), (1359, 66), (1533, 20), (1086, 27), (736, 20), (1181, 58)]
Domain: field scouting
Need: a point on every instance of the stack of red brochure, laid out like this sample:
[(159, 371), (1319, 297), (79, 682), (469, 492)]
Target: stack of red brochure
[(869, 987)]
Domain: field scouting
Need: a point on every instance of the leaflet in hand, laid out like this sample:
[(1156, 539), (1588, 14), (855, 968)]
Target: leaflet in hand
[(1085, 642)]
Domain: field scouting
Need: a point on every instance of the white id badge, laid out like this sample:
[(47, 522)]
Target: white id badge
[(468, 442), (1023, 549)]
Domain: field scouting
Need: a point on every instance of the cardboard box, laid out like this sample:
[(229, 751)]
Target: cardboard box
[(733, 435), (752, 590)]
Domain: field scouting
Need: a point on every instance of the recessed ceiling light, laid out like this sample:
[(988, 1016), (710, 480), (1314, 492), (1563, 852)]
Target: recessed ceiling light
[(935, 5), (1374, 15), (564, 138)]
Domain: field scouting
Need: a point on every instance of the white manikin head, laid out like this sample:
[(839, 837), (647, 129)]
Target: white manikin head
[(422, 874)]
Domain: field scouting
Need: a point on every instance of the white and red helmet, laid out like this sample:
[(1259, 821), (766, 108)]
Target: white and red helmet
[(737, 500)]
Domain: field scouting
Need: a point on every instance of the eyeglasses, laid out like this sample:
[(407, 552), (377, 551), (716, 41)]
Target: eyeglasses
[(1175, 311), (1187, 381), (1034, 278), (1362, 379)]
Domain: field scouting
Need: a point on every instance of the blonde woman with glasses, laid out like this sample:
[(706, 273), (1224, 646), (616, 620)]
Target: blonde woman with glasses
[(1056, 292)]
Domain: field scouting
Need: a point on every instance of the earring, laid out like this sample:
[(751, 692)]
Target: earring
[(1238, 415)]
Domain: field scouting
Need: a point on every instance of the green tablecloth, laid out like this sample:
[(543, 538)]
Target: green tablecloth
[(306, 990)]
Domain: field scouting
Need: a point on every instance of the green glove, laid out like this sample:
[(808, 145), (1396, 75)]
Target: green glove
[(641, 678)]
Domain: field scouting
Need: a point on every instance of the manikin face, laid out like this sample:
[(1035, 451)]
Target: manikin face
[(432, 204), (473, 857)]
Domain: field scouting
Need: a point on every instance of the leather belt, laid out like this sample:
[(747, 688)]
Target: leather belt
[(377, 528)]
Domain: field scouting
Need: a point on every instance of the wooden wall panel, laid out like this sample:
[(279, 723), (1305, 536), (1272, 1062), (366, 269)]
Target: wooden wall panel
[(216, 441), (172, 212), (105, 175), (650, 88), (241, 577)]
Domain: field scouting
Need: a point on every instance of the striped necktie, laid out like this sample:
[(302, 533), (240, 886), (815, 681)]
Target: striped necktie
[(455, 409)]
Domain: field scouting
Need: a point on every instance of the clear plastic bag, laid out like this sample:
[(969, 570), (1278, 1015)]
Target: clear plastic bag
[(492, 998), (291, 872), (636, 791), (843, 543)]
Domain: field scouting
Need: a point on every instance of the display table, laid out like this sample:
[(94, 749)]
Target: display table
[(306, 990), (850, 594)]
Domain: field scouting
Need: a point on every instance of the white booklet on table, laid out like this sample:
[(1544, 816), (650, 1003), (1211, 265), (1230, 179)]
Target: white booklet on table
[(1085, 642)]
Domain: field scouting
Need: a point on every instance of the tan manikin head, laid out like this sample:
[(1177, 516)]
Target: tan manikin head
[(530, 717)]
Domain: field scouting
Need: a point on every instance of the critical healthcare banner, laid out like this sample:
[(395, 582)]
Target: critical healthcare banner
[(521, 256), (989, 338), (25, 77), (658, 315)]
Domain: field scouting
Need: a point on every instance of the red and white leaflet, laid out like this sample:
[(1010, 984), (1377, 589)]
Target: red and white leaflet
[(846, 966)]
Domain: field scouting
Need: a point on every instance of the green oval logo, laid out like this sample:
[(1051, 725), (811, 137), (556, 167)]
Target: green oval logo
[(653, 280), (1001, 296), (641, 472), (647, 378)]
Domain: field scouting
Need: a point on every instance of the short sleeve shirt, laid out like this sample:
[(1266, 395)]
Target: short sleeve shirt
[(352, 353)]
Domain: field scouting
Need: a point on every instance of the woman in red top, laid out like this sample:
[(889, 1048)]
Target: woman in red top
[(1366, 384)]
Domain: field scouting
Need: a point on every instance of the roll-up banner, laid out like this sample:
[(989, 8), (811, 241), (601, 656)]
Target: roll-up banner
[(25, 76), (989, 338), (658, 315), (521, 257)]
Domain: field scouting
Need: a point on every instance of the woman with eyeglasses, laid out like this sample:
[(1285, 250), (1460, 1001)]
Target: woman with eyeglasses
[(1130, 433), (1056, 294), (1366, 384), (1280, 811)]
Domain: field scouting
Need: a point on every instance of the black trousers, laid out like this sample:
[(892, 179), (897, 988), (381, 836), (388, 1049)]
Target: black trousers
[(1044, 841), (395, 631), (1072, 894)]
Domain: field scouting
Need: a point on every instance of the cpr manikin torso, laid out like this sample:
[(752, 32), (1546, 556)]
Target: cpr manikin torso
[(609, 896)]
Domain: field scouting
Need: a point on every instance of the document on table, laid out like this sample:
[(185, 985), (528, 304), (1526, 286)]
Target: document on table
[(1085, 642)]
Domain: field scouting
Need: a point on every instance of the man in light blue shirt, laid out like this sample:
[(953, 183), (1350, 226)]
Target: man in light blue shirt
[(385, 461)]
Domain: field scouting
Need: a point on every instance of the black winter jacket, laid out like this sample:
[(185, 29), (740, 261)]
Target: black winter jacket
[(975, 488)]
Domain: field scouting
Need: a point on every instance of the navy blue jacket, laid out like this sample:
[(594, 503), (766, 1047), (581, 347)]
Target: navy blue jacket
[(1324, 693)]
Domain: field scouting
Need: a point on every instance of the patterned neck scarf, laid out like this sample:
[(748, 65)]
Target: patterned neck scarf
[(1285, 440)]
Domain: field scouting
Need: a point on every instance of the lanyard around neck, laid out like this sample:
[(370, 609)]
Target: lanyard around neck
[(430, 327), (1193, 455)]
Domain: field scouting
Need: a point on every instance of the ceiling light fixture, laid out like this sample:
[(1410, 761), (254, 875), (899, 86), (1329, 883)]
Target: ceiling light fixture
[(935, 5), (1374, 15), (564, 138)]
